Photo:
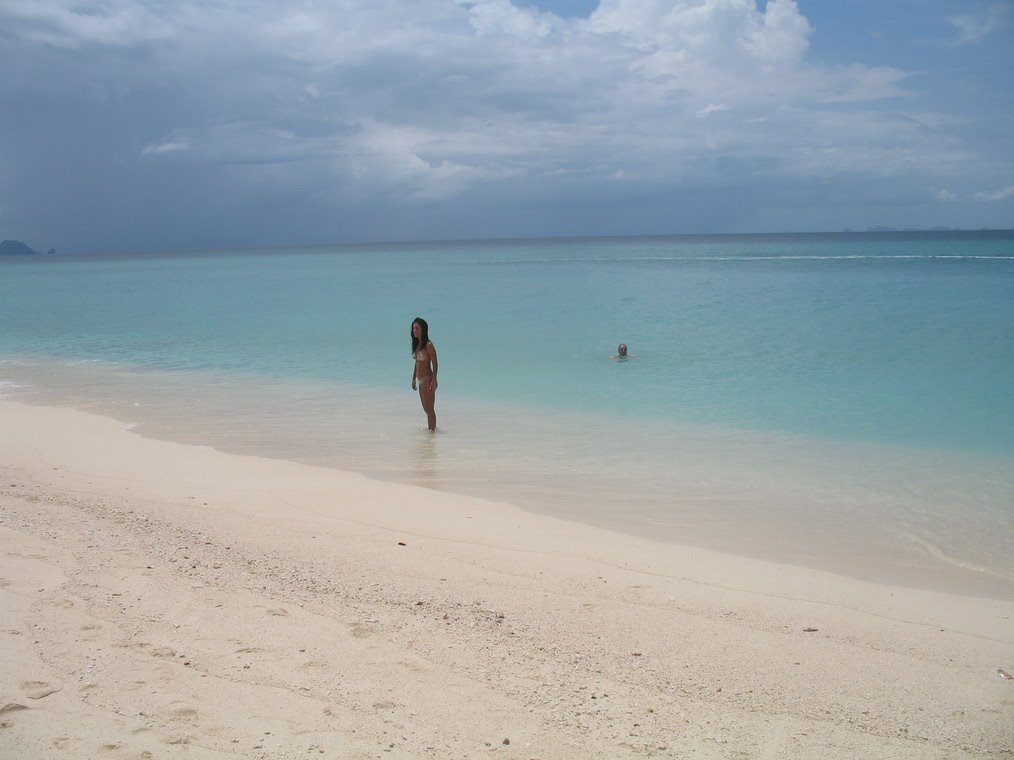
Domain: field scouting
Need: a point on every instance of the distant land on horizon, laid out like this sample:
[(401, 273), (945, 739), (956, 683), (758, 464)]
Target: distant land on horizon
[(924, 229), (17, 248)]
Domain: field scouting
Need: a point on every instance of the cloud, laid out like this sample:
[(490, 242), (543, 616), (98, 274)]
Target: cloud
[(412, 103), (502, 17), (859, 82), (975, 27), (706, 30), (945, 195), (781, 33), (74, 25), (164, 148), (997, 196), (410, 164), (711, 108)]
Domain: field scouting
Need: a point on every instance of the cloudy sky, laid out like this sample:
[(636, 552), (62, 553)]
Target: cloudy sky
[(176, 124)]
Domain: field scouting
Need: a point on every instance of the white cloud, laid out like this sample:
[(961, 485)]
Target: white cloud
[(710, 30), (711, 108), (945, 195), (501, 16), (394, 162), (781, 33), (416, 101), (997, 196), (164, 148), (975, 27), (73, 25), (859, 82)]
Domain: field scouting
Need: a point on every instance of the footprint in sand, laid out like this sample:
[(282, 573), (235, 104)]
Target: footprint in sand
[(280, 611), (4, 583), (38, 689), (11, 707), (134, 645), (362, 631), (64, 604), (163, 652)]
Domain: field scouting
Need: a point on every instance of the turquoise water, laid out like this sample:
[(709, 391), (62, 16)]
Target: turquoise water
[(839, 397)]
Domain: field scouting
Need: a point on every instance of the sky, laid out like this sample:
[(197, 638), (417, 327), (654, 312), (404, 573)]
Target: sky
[(152, 125)]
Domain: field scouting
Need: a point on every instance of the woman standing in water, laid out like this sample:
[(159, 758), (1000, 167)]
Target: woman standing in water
[(425, 370)]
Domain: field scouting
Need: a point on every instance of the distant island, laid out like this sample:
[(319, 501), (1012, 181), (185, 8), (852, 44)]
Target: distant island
[(17, 248), (915, 229)]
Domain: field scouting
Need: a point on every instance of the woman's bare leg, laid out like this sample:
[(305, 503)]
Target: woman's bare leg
[(428, 398)]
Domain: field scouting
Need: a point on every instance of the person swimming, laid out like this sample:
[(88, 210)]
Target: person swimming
[(621, 353)]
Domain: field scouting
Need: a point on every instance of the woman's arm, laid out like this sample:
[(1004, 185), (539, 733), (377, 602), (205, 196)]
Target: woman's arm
[(433, 360)]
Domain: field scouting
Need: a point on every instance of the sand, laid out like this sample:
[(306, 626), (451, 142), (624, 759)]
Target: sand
[(159, 600)]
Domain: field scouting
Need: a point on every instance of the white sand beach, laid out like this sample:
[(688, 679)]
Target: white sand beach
[(159, 600)]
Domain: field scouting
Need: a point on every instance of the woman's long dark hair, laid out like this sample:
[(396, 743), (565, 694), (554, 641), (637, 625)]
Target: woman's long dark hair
[(424, 335)]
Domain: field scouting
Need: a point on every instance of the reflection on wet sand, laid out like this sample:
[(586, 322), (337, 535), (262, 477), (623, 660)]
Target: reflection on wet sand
[(425, 461)]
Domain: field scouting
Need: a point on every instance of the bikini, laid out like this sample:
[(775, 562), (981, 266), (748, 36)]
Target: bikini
[(422, 356)]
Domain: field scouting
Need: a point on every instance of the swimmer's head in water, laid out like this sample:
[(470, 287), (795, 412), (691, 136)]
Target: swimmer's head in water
[(622, 349)]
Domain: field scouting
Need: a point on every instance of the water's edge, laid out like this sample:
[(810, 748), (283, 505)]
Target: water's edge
[(916, 518)]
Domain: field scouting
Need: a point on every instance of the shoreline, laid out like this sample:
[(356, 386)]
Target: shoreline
[(914, 517), (150, 588)]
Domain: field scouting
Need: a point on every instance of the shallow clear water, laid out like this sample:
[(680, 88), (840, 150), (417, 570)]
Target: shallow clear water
[(841, 401)]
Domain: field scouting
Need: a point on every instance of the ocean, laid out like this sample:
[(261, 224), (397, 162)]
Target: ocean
[(837, 401)]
